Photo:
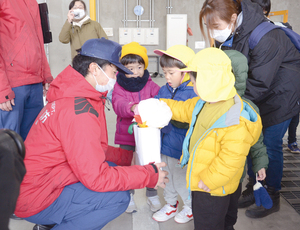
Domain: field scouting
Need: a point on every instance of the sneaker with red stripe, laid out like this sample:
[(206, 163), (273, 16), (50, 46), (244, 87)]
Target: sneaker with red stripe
[(184, 216), (166, 213)]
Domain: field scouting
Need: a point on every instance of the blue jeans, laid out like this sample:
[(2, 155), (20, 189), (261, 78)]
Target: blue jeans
[(78, 208), (28, 104), (273, 140)]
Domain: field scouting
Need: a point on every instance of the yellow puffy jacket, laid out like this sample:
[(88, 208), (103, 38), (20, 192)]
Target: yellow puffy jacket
[(219, 156)]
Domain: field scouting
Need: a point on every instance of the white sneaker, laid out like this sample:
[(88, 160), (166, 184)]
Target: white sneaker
[(166, 213), (131, 207), (154, 203), (184, 216)]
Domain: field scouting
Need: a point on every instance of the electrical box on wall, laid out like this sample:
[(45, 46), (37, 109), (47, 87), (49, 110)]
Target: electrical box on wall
[(152, 35), (138, 35), (144, 36), (109, 31), (125, 35), (176, 29)]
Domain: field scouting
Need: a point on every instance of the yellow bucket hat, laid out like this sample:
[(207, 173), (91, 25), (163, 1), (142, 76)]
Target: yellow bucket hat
[(215, 80), (137, 49), (179, 52)]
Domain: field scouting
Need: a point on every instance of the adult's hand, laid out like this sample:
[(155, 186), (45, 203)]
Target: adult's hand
[(70, 16), (7, 106), (45, 88), (162, 175)]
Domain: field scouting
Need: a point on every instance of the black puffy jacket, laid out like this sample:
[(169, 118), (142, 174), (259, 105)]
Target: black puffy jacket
[(273, 82)]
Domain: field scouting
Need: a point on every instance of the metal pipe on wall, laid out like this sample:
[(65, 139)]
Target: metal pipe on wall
[(126, 14), (98, 11), (169, 7), (152, 17), (150, 14)]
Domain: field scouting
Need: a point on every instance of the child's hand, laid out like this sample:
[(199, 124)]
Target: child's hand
[(261, 174), (162, 175), (133, 107), (203, 186)]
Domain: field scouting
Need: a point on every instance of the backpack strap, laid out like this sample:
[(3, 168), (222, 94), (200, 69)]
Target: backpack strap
[(259, 32)]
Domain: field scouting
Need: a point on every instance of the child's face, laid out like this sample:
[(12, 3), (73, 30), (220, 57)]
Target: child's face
[(193, 80), (173, 76), (136, 68)]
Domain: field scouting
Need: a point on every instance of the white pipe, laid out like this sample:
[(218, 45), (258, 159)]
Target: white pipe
[(153, 13), (150, 14), (124, 14)]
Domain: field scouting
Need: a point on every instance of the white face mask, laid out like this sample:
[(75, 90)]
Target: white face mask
[(221, 35), (78, 13), (108, 87)]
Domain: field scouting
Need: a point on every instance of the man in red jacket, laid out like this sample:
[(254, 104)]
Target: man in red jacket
[(70, 181), (24, 67)]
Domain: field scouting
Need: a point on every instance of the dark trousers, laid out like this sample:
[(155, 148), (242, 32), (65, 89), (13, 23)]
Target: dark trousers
[(78, 208), (273, 140), (215, 212), (293, 129)]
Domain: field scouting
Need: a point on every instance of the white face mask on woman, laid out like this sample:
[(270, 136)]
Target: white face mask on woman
[(78, 13), (221, 35), (108, 87)]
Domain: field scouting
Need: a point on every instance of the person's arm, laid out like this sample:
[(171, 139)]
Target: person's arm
[(7, 95), (64, 35), (264, 64), (100, 32), (258, 152), (182, 110), (121, 105), (87, 159)]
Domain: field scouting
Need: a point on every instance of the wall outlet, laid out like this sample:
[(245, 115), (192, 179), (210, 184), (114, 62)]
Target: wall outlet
[(199, 44), (109, 31)]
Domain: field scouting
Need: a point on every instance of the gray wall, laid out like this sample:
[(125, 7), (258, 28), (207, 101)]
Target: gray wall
[(111, 14)]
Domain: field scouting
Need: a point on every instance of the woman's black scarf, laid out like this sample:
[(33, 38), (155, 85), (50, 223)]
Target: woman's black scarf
[(134, 84)]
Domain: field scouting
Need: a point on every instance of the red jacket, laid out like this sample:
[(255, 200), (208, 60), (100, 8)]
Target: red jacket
[(68, 143), (23, 60)]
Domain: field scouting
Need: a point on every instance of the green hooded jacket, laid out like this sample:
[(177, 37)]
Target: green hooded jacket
[(258, 152)]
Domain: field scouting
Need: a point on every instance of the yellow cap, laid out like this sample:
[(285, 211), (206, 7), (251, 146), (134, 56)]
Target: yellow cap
[(179, 52), (137, 49), (215, 80)]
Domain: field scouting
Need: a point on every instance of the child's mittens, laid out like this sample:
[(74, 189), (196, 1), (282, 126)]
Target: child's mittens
[(262, 197)]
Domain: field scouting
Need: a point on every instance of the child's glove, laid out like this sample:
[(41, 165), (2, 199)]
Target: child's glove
[(261, 195)]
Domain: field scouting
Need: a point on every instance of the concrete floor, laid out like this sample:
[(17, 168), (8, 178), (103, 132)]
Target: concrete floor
[(286, 219)]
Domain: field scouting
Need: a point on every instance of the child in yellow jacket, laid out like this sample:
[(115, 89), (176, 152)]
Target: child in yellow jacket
[(223, 127)]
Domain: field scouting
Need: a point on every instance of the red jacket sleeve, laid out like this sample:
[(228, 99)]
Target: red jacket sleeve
[(87, 158), (119, 156), (6, 92)]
